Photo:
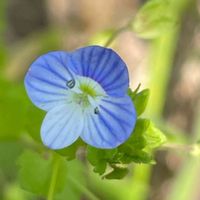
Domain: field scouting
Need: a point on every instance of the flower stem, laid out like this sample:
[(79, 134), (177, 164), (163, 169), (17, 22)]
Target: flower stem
[(117, 32), (54, 178), (56, 164)]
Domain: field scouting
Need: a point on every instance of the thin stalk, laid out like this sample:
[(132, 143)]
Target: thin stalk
[(163, 51), (162, 54), (118, 32), (56, 164), (115, 35)]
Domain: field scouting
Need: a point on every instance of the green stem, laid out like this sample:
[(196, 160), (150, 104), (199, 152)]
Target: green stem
[(162, 53), (118, 32), (83, 189), (56, 164), (161, 59), (54, 178), (114, 35)]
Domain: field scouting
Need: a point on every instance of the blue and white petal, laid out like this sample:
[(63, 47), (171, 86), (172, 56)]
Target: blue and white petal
[(112, 125), (62, 126), (46, 80), (102, 65), (84, 93)]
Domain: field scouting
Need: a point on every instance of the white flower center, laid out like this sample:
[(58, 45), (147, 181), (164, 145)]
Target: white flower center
[(86, 93)]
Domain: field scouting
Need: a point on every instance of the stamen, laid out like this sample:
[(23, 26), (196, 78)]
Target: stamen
[(71, 83), (96, 111)]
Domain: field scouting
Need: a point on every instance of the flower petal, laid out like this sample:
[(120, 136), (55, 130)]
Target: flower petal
[(112, 126), (102, 65), (46, 80), (62, 126)]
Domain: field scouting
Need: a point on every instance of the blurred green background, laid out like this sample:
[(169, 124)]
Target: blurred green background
[(162, 57)]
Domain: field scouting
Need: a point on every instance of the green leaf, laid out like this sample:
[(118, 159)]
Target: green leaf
[(99, 158), (36, 171), (154, 19), (133, 93), (117, 173), (136, 140), (145, 135), (139, 99), (138, 148), (153, 137), (138, 156), (100, 167)]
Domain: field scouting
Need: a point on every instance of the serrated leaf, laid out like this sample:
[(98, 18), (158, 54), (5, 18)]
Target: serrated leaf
[(94, 154), (153, 19), (117, 173), (137, 156), (145, 135), (138, 148), (154, 137), (136, 140), (35, 172), (99, 158)]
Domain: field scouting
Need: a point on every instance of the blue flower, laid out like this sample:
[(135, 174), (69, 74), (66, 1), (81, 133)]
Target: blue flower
[(85, 95)]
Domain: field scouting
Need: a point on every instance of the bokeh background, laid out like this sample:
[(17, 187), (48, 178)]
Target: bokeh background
[(168, 65)]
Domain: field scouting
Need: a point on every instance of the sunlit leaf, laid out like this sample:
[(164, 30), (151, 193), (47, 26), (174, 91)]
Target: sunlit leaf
[(154, 19), (153, 137)]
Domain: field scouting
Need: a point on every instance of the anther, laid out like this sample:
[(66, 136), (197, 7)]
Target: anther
[(96, 111), (71, 83)]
